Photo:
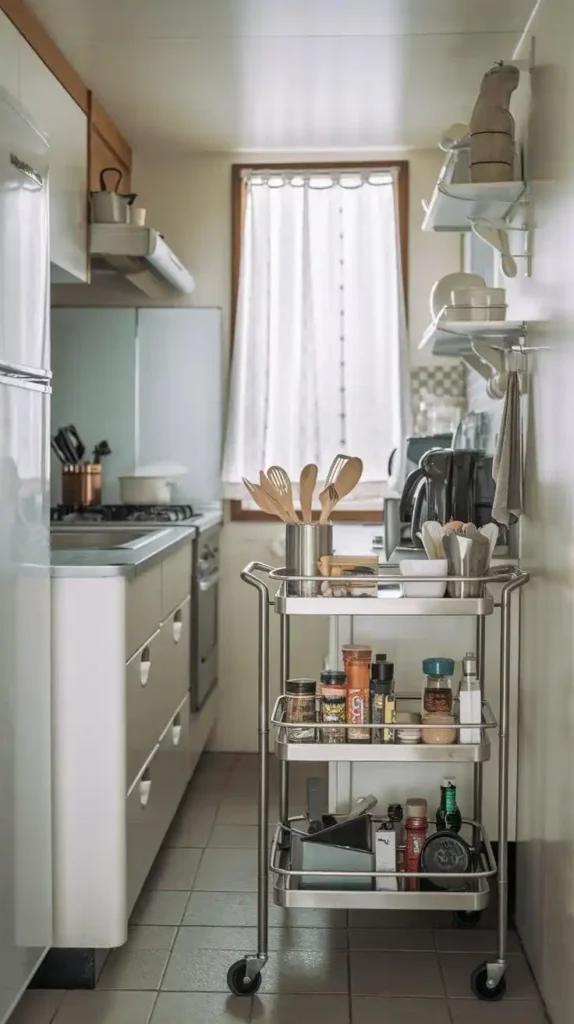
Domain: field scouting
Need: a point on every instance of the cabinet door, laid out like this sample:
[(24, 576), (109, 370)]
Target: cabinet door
[(66, 126), (9, 56)]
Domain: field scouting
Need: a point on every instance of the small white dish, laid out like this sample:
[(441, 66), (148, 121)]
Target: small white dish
[(422, 567)]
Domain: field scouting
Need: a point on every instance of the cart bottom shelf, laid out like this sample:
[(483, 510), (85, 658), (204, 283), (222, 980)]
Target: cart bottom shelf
[(285, 895)]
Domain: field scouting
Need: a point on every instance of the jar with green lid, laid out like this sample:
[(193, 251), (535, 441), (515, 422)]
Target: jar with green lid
[(300, 710), (438, 689)]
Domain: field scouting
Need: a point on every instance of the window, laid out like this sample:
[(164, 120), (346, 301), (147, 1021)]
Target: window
[(320, 355)]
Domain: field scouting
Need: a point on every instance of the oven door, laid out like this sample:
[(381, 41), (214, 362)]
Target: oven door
[(205, 645)]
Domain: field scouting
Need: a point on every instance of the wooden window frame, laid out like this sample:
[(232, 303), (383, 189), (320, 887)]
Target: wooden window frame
[(237, 512)]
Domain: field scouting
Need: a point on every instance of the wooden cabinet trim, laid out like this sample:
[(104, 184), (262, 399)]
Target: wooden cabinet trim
[(102, 124), (42, 43)]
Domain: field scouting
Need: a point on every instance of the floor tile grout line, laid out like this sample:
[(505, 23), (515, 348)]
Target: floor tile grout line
[(154, 1004)]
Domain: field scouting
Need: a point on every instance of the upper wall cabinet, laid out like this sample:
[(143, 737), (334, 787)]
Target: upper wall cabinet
[(9, 59), (66, 125)]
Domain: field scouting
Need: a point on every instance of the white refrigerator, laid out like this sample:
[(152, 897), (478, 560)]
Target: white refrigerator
[(25, 727)]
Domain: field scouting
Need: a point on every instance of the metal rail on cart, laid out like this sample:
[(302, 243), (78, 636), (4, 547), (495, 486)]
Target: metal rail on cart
[(488, 980)]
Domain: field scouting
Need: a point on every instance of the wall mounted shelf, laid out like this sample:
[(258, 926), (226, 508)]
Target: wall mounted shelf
[(455, 337), (454, 207)]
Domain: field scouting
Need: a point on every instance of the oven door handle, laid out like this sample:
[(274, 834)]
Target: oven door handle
[(209, 582)]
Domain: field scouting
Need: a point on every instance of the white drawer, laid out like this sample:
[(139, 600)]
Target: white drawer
[(154, 799), (143, 610), (175, 657), (175, 579), (145, 679)]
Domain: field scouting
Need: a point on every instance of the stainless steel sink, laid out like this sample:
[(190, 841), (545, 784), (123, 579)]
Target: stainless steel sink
[(106, 538)]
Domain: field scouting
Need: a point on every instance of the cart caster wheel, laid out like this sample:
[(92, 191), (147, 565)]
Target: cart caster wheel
[(467, 918), (481, 988), (239, 983)]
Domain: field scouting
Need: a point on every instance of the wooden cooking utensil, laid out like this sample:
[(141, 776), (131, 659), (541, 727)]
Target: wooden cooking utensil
[(348, 477), (271, 490), (307, 482), (279, 478), (266, 502), (335, 468), (328, 498)]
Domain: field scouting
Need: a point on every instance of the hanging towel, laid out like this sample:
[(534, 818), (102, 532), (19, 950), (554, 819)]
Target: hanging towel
[(507, 465)]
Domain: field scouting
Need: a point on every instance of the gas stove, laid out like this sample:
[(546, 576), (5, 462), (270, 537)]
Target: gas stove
[(69, 514)]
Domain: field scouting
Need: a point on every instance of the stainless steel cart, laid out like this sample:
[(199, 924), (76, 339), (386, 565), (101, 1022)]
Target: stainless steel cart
[(488, 979)]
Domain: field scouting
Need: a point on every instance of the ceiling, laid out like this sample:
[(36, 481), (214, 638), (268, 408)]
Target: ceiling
[(229, 75)]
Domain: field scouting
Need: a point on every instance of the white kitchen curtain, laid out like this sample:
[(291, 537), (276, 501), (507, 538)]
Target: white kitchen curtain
[(320, 358)]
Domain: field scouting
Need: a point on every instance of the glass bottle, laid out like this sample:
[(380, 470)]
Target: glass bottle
[(448, 816), (416, 828), (438, 689)]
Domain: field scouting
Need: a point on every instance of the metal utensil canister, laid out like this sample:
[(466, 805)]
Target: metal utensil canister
[(82, 484), (467, 556), (305, 544)]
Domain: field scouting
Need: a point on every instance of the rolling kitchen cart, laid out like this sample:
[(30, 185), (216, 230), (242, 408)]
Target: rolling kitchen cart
[(488, 979)]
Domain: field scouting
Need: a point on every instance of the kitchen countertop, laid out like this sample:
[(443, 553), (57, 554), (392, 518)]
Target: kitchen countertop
[(121, 561)]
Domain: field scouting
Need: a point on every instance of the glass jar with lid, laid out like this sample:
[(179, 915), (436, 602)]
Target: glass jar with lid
[(438, 689)]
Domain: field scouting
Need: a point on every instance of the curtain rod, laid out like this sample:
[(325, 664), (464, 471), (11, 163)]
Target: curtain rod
[(318, 171)]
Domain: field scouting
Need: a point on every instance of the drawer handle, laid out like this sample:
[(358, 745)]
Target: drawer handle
[(145, 666), (177, 627), (176, 735), (145, 789)]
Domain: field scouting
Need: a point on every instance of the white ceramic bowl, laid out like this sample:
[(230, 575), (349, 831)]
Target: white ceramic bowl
[(441, 289), (424, 567)]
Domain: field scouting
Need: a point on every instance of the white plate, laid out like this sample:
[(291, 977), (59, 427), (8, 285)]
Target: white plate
[(441, 289)]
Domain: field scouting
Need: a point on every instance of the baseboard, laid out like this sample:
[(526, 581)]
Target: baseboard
[(70, 969)]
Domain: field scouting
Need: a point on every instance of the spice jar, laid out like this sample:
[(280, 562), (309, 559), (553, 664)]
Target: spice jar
[(416, 828), (357, 665), (300, 709), (438, 689), (333, 705), (442, 731)]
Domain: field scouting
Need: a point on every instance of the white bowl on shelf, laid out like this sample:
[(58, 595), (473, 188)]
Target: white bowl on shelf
[(441, 289), (424, 567)]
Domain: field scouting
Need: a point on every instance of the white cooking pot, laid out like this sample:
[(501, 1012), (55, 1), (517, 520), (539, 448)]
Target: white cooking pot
[(150, 485)]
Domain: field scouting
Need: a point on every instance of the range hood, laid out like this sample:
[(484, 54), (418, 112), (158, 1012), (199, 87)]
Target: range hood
[(140, 255)]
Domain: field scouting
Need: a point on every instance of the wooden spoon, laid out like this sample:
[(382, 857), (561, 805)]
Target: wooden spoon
[(307, 482), (266, 502), (279, 478)]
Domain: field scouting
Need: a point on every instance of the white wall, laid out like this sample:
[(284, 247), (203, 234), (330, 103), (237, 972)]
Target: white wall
[(546, 739)]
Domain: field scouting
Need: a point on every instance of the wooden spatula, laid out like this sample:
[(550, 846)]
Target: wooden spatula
[(348, 477), (307, 482), (266, 502), (279, 479)]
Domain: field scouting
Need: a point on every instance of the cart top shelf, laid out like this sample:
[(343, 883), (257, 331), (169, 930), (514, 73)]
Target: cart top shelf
[(386, 584), (389, 602)]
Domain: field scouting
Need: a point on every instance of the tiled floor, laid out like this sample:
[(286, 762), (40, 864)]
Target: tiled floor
[(198, 915)]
